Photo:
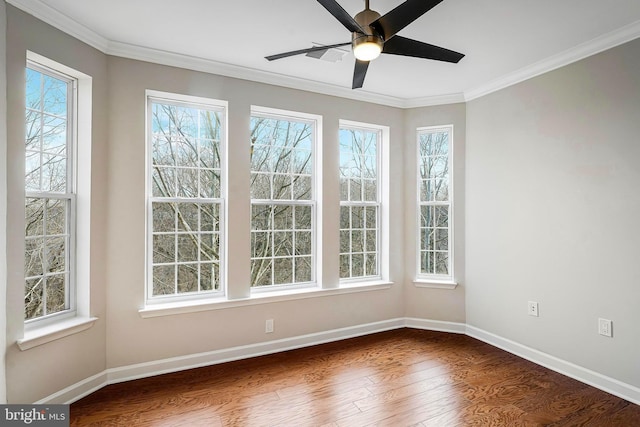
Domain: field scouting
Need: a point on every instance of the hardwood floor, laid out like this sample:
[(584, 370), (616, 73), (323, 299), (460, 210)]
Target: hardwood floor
[(404, 377)]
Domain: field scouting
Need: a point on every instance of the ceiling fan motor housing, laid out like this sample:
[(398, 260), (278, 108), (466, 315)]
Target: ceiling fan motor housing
[(364, 18)]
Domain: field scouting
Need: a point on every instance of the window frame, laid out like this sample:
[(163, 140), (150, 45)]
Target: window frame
[(382, 133), (202, 103), (314, 201), (59, 72), (434, 279)]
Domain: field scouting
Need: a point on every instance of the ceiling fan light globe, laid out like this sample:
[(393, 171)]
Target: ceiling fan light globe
[(367, 51)]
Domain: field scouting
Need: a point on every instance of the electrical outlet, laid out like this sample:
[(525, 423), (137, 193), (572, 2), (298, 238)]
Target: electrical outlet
[(532, 308), (604, 327), (268, 326)]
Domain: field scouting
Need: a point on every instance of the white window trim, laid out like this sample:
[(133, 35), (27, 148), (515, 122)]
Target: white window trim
[(78, 319), (383, 202), (316, 201), (436, 281), (193, 101), (257, 299)]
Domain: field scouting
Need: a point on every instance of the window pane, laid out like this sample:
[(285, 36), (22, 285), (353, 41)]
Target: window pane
[(34, 257), (57, 216), (260, 186), (303, 217), (187, 278), (34, 217), (371, 265), (56, 293), (209, 216), (345, 264), (283, 271), (261, 272), (303, 243), (283, 243), (188, 214), (187, 180), (164, 218), (303, 269), (164, 182), (55, 250), (33, 298), (163, 279), (208, 280), (164, 248)]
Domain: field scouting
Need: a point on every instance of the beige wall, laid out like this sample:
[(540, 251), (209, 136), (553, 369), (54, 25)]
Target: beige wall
[(552, 212), (43, 370)]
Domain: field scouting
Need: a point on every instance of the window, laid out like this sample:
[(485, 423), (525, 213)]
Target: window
[(360, 193), (435, 258), (186, 145), (283, 198), (50, 194)]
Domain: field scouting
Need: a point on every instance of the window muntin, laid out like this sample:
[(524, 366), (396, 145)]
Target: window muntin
[(359, 203), (186, 204), (434, 203), (49, 194), (283, 206)]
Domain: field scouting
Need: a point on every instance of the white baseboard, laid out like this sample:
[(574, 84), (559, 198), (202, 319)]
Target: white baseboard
[(587, 376), (174, 364), (435, 325), (76, 391), (157, 367)]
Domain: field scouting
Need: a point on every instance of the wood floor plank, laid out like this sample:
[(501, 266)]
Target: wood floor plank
[(405, 377)]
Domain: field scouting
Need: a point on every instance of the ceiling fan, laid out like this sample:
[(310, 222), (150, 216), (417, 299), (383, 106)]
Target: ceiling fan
[(373, 34)]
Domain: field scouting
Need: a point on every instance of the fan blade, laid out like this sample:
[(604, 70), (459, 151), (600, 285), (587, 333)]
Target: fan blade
[(301, 51), (399, 45), (395, 20), (359, 73), (341, 15)]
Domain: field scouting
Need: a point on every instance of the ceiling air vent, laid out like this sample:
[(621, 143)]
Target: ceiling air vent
[(329, 55)]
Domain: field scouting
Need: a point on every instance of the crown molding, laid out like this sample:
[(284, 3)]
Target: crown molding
[(140, 53), (429, 101), (62, 22), (599, 44)]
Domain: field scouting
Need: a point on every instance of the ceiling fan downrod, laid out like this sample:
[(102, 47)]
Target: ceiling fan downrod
[(367, 46)]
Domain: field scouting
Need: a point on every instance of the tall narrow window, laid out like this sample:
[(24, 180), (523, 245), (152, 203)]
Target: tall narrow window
[(283, 204), (359, 202), (435, 259), (50, 194), (186, 183)]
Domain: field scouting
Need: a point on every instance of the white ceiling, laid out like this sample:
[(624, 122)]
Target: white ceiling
[(505, 41)]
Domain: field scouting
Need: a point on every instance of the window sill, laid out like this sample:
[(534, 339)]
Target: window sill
[(45, 334), (168, 309), (435, 284)]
